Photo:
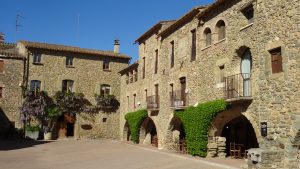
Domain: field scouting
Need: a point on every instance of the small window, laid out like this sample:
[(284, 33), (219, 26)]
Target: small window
[(1, 92), (35, 86), (104, 120), (67, 86), (172, 55), (207, 36), (127, 78), (146, 94), (135, 75), (156, 62), (105, 90), (1, 66), (69, 61), (222, 74), (276, 60), (193, 52), (37, 58), (144, 68), (105, 65), (221, 30), (127, 102), (248, 12), (134, 97)]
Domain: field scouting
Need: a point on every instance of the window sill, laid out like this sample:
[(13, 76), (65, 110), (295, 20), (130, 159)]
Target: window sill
[(107, 70), (206, 48), (276, 76), (220, 85), (38, 64), (220, 41), (70, 67), (247, 26)]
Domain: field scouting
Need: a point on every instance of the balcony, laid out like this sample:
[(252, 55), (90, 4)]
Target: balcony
[(153, 102), (179, 99), (238, 87)]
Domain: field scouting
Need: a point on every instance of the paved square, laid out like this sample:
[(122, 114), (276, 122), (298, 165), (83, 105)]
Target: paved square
[(93, 154)]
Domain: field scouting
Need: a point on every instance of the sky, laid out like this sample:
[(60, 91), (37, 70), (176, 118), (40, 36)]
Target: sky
[(92, 24)]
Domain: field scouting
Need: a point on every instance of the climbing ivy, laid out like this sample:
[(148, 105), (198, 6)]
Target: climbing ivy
[(134, 120), (196, 122)]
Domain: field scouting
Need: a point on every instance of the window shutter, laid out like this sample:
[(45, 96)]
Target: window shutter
[(1, 66), (276, 60)]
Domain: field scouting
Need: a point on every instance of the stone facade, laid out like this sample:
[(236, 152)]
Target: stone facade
[(271, 98)]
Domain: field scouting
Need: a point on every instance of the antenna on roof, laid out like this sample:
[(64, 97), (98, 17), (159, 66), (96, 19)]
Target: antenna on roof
[(18, 25)]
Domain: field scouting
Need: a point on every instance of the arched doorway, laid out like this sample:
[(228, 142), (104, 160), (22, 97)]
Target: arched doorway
[(239, 133), (177, 136), (148, 133), (126, 132)]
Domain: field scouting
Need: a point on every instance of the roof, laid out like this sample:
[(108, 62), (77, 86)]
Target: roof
[(130, 67), (210, 8), (181, 21), (63, 48), (153, 30), (9, 50)]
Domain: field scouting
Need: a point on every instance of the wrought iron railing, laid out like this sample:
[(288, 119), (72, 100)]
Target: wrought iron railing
[(179, 99), (237, 86), (153, 102)]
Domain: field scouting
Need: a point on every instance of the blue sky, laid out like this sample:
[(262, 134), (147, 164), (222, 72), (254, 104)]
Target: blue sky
[(100, 21)]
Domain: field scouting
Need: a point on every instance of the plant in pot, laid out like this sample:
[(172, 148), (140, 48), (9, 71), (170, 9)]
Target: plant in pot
[(52, 114), (32, 131)]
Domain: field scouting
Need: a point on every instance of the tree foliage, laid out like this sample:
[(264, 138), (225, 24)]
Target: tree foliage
[(135, 120), (196, 122)]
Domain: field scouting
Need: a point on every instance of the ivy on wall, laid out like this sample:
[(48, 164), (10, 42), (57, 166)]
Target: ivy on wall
[(134, 120), (196, 122)]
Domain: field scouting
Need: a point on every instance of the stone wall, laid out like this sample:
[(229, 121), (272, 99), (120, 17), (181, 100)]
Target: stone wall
[(275, 97), (88, 74)]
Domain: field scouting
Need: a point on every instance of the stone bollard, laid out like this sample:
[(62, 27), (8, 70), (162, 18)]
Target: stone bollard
[(221, 143), (212, 150)]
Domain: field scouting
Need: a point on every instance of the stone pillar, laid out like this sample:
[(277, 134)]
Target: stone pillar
[(221, 143)]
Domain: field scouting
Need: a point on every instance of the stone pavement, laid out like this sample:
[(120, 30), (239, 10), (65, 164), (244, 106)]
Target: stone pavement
[(98, 154)]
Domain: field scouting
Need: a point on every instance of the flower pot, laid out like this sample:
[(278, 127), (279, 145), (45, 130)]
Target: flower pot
[(32, 134), (48, 136)]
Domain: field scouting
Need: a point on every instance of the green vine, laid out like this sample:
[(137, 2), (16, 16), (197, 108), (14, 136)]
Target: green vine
[(196, 122), (134, 120)]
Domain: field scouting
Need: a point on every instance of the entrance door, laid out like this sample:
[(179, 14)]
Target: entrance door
[(183, 88), (246, 66)]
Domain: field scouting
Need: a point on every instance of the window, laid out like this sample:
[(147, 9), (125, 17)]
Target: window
[(105, 90), (156, 62), (221, 30), (134, 97), (104, 120), (207, 36), (105, 65), (146, 94), (276, 60), (248, 12), (69, 61), (135, 75), (144, 67), (67, 86), (221, 74), (127, 102), (127, 78), (37, 58), (172, 54), (1, 92), (1, 66), (35, 86), (193, 52)]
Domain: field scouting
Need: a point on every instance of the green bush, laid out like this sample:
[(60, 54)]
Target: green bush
[(32, 128), (196, 122), (134, 120)]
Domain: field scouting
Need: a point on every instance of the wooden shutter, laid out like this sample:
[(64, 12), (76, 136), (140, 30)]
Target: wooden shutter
[(1, 66), (276, 60)]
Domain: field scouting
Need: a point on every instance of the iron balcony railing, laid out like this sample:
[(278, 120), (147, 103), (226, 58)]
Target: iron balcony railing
[(153, 102), (237, 86), (179, 99)]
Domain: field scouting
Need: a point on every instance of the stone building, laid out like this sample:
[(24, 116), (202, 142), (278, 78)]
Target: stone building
[(244, 51), (52, 68)]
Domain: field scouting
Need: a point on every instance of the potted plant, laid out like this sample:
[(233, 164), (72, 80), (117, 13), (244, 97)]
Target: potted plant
[(52, 114), (32, 132)]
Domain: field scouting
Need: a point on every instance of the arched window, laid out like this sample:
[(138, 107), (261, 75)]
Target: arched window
[(207, 36), (104, 90), (221, 30)]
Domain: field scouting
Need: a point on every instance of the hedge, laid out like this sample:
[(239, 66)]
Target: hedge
[(196, 122), (134, 120)]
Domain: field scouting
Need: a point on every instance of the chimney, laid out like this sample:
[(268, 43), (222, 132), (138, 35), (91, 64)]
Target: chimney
[(1, 37), (117, 46)]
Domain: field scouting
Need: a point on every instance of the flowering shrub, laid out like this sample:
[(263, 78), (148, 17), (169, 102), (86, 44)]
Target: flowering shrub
[(108, 101), (71, 102)]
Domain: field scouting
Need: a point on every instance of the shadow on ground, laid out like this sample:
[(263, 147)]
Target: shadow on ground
[(7, 145)]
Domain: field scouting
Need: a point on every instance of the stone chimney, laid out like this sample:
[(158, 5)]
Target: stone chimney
[(117, 46), (1, 37)]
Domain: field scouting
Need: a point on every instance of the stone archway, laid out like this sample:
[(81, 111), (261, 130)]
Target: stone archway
[(148, 133), (126, 132), (176, 136)]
